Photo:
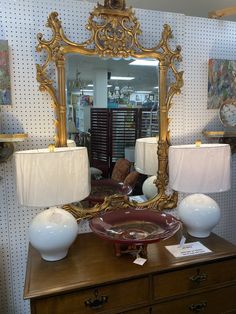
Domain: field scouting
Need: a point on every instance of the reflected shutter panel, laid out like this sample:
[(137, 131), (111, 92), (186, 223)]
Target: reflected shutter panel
[(149, 123), (100, 146), (124, 130)]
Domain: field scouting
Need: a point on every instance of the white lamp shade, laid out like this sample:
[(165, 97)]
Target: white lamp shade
[(52, 178), (146, 159), (204, 169)]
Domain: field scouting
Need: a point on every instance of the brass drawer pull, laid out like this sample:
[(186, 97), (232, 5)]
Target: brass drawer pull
[(96, 302), (199, 277), (200, 307)]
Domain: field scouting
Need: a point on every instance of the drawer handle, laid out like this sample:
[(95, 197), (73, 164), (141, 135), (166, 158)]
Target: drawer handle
[(200, 307), (96, 302), (199, 277)]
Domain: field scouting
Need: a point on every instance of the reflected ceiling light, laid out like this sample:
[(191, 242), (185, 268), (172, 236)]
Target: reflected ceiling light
[(91, 85), (145, 62), (122, 78), (156, 87), (87, 90), (143, 91)]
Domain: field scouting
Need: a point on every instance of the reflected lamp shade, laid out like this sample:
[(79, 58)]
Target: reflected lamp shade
[(44, 179), (146, 162), (203, 169)]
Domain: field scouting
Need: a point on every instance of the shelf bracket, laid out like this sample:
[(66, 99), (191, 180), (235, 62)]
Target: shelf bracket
[(7, 144), (6, 150)]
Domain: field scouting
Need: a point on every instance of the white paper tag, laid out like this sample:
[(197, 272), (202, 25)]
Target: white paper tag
[(182, 241), (188, 249), (139, 261)]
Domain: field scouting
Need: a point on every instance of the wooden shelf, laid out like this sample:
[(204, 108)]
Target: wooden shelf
[(218, 134), (18, 137), (226, 137), (222, 12)]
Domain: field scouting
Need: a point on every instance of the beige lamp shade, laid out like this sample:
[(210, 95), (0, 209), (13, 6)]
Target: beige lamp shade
[(146, 159), (47, 179), (204, 169)]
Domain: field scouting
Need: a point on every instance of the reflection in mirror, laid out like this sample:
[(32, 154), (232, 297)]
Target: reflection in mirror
[(111, 103)]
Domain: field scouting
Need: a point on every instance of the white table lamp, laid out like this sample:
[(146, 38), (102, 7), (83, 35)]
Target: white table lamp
[(146, 162), (45, 179), (199, 169)]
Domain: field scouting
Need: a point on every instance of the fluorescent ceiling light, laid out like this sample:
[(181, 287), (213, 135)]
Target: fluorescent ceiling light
[(145, 62), (156, 87), (87, 90), (109, 85), (143, 92), (122, 78)]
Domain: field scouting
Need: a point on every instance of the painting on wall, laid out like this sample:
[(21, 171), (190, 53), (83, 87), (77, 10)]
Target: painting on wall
[(5, 86), (221, 82)]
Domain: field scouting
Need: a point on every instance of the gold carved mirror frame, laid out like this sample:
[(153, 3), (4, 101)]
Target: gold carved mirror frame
[(114, 32)]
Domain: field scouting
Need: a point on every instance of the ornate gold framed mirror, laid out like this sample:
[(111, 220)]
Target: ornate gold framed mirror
[(114, 33)]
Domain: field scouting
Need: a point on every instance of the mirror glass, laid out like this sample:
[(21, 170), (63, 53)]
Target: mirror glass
[(111, 103), (100, 83)]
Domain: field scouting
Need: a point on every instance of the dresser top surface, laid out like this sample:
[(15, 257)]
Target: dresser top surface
[(91, 261)]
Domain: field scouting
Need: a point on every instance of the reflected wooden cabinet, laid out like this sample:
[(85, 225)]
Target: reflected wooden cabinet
[(93, 280)]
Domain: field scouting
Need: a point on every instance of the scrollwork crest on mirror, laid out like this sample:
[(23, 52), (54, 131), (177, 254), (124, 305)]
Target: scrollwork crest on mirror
[(114, 33)]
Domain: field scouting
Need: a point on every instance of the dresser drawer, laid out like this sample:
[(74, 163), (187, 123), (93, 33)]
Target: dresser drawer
[(109, 299), (222, 301), (182, 281)]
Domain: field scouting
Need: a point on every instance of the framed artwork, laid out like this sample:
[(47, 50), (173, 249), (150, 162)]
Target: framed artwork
[(5, 86), (221, 82)]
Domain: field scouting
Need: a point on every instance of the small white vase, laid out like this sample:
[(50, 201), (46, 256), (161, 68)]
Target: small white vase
[(52, 232)]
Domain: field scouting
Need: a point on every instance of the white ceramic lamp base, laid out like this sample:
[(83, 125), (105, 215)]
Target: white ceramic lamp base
[(200, 214), (52, 232), (149, 188)]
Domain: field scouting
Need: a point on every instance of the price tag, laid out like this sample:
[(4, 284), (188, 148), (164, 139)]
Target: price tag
[(187, 249), (140, 261)]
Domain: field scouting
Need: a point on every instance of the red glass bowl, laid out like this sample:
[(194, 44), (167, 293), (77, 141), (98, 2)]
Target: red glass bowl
[(135, 226)]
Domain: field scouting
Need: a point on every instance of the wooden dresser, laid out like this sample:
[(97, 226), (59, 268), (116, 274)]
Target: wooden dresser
[(91, 279)]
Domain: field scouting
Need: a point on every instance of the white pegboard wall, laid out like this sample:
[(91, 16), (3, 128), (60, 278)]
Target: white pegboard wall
[(31, 113), (199, 47), (192, 116), (20, 21)]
